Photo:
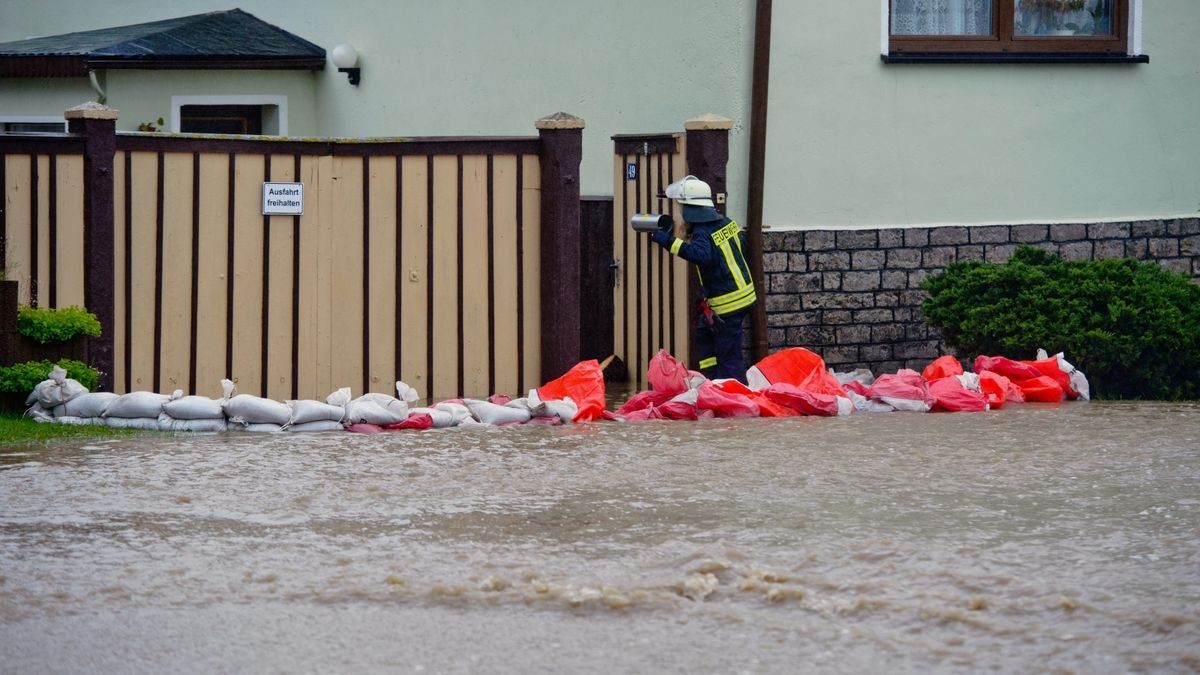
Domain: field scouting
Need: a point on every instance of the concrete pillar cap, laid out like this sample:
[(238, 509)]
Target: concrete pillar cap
[(559, 120), (91, 111), (708, 121)]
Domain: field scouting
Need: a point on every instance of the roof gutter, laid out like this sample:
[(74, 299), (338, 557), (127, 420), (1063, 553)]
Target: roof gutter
[(754, 191)]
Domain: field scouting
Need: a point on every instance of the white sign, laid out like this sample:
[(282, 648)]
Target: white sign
[(283, 199)]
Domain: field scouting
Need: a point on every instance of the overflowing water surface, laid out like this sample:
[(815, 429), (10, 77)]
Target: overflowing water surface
[(1040, 538)]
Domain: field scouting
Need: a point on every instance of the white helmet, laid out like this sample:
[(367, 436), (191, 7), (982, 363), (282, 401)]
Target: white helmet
[(690, 190)]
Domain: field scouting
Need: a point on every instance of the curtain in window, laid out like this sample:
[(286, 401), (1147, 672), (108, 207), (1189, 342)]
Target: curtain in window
[(941, 17)]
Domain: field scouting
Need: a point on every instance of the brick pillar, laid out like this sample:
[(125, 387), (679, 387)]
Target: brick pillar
[(97, 124), (562, 151)]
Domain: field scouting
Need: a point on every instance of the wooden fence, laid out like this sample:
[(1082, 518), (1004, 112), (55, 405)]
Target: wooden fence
[(422, 260)]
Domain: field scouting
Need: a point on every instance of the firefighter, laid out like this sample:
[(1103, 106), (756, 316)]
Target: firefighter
[(716, 246)]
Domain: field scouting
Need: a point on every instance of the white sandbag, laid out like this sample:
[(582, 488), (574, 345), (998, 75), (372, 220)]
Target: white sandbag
[(857, 375), (564, 409), (1078, 380), (255, 428), (39, 413), (339, 398), (689, 397), (406, 393), (319, 425), (143, 423), (490, 413), (378, 409), (57, 389), (86, 405), (441, 418), (195, 408), (169, 423), (306, 411), (460, 412), (864, 404), (71, 420), (970, 382), (136, 405), (755, 379), (250, 409), (906, 404)]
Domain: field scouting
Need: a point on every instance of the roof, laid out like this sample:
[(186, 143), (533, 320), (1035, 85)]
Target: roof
[(230, 39)]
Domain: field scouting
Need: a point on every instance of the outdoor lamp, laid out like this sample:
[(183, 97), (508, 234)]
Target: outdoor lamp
[(346, 60)]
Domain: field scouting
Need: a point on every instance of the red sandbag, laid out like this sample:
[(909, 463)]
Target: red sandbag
[(724, 403), (413, 421), (1013, 370), (999, 389), (665, 373), (766, 407), (643, 400), (642, 414), (678, 410), (804, 401), (951, 396), (802, 368), (858, 388), (1049, 368), (583, 384), (1042, 389), (942, 366), (904, 390), (499, 399), (364, 428)]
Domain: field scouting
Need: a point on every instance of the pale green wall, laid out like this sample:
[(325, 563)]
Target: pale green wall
[(852, 142), (855, 142)]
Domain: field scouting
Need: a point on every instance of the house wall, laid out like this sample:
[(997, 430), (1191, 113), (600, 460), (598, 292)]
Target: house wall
[(857, 143)]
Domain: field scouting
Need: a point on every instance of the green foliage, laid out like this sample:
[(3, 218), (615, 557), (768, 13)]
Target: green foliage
[(1132, 327), (21, 378), (15, 429), (45, 324)]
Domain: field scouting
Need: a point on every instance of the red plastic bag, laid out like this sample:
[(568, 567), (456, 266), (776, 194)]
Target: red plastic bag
[(800, 367), (665, 373), (642, 414), (413, 421), (903, 390), (766, 407), (1042, 389), (678, 410), (724, 403), (999, 389), (584, 384), (1049, 368), (643, 400), (364, 428), (951, 396), (942, 366), (804, 401), (1013, 370)]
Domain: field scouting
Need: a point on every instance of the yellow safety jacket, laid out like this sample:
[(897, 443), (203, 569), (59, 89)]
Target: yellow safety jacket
[(717, 248)]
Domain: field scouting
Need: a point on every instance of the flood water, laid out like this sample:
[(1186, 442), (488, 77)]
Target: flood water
[(1040, 538)]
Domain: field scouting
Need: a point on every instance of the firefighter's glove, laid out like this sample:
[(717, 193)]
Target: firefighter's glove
[(662, 238)]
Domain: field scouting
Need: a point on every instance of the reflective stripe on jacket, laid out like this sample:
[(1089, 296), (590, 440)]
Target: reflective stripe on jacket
[(717, 249)]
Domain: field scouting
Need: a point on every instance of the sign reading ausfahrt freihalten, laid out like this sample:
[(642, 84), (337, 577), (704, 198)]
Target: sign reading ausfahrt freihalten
[(283, 199)]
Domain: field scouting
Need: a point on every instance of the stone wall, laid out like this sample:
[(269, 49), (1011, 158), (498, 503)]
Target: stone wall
[(853, 296)]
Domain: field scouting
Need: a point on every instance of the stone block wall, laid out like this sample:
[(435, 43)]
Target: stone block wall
[(854, 297)]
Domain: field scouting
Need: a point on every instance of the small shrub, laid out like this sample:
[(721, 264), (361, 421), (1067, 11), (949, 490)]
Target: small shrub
[(1132, 327), (21, 378), (45, 324)]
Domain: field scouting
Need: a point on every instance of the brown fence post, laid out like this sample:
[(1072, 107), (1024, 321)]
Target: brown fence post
[(97, 123), (562, 152)]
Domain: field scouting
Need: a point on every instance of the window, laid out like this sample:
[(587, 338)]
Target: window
[(249, 115), (32, 125), (1018, 27)]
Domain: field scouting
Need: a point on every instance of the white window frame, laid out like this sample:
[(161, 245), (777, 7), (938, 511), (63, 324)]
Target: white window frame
[(280, 103), (1135, 27)]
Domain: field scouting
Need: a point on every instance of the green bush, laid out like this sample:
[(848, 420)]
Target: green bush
[(1132, 327), (45, 324), (21, 378)]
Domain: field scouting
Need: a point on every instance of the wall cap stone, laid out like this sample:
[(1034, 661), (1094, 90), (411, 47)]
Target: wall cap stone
[(706, 122), (91, 111), (559, 120)]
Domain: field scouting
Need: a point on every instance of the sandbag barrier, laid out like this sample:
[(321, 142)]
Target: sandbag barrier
[(791, 382)]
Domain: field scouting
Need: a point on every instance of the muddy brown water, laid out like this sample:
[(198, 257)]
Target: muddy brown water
[(1040, 538)]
